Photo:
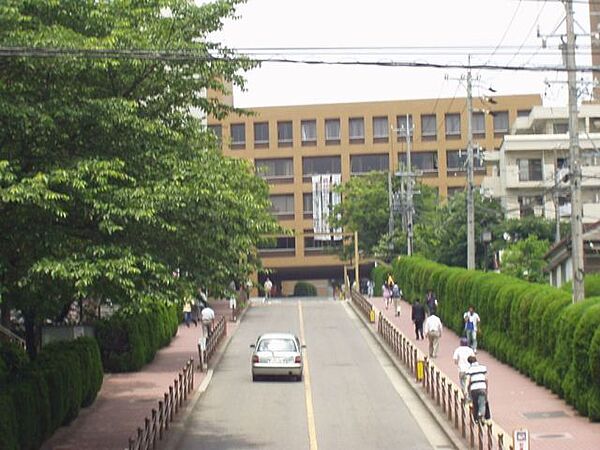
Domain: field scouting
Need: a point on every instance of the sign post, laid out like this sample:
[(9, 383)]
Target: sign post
[(521, 439)]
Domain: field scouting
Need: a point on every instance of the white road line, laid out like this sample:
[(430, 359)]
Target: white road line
[(310, 413)]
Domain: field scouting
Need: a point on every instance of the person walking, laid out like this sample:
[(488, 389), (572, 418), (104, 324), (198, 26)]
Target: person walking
[(208, 318), (396, 294), (187, 312), (460, 357), (477, 381), (390, 281), (433, 331), (233, 300), (418, 317), (431, 302), (370, 288), (387, 296), (472, 320), (268, 286)]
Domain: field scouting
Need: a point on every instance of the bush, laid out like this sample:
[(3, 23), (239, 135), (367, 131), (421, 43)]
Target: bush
[(130, 338), (304, 289), (591, 285)]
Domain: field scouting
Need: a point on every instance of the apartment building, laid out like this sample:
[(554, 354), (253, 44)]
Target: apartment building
[(290, 145), (530, 172)]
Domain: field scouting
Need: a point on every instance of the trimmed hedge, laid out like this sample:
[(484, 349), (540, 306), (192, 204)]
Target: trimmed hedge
[(533, 327), (304, 289), (42, 395), (591, 283), (130, 338)]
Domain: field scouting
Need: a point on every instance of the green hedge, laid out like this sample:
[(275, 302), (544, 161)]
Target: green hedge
[(38, 397), (130, 338), (304, 289), (535, 328)]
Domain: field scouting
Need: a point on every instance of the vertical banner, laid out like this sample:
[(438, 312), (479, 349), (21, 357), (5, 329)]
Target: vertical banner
[(324, 198)]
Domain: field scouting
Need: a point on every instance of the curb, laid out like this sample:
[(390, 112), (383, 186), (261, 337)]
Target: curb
[(175, 434), (448, 430)]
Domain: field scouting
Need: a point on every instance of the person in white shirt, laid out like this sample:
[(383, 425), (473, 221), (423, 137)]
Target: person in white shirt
[(477, 380), (460, 357), (472, 320), (268, 286), (208, 318), (433, 331)]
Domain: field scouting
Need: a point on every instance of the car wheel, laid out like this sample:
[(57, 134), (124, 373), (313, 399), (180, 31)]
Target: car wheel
[(254, 377), (299, 377)]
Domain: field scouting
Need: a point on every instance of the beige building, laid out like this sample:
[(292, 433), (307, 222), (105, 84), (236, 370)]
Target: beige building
[(289, 145)]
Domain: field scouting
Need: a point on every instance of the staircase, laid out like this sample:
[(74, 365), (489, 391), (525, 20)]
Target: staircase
[(7, 335)]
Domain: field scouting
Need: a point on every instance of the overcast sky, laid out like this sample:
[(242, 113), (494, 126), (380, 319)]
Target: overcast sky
[(452, 28)]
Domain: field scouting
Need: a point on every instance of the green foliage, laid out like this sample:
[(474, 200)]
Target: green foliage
[(13, 360), (48, 392), (130, 338), (379, 275), (304, 289), (525, 259), (591, 283), (533, 327)]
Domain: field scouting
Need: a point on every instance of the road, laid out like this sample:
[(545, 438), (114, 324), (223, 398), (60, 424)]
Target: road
[(351, 397)]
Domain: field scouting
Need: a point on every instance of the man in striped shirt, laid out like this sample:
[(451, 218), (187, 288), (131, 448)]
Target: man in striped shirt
[(477, 380)]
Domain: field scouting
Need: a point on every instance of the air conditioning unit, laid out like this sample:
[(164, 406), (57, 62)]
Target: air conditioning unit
[(564, 210)]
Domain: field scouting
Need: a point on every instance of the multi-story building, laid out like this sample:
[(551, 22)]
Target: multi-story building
[(289, 145), (530, 172)]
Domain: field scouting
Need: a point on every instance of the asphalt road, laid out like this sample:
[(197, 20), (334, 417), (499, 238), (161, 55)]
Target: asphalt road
[(351, 396)]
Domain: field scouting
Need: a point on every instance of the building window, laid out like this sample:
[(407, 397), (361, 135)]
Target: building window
[(356, 127), (381, 129), (217, 131), (590, 159), (425, 161), (332, 131), (500, 122), (282, 205), (282, 168), (401, 127), (531, 205), (453, 125), (560, 128), (428, 127), (594, 124), (562, 163), (308, 131), (369, 163), (261, 134), (307, 204), (285, 134), (313, 245), (523, 112), (282, 244), (478, 124), (238, 135), (456, 160), (321, 165), (530, 169)]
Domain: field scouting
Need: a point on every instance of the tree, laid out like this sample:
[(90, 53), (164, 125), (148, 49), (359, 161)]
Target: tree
[(108, 184), (525, 259)]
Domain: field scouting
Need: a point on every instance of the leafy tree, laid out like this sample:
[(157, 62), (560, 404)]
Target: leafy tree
[(516, 229), (525, 259), (108, 184)]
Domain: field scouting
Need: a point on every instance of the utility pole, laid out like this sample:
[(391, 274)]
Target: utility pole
[(409, 192), (556, 198), (574, 162), (470, 202)]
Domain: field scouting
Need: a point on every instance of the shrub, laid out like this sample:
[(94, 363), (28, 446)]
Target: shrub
[(304, 289), (8, 421)]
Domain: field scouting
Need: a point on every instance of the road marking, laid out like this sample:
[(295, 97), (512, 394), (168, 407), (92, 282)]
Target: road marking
[(310, 413)]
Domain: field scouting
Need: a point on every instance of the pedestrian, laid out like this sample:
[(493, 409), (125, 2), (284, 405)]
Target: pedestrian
[(431, 302), (370, 288), (460, 357), (433, 331), (233, 300), (477, 381), (390, 281), (418, 317), (472, 320), (268, 286), (208, 318), (187, 312), (387, 295), (396, 294)]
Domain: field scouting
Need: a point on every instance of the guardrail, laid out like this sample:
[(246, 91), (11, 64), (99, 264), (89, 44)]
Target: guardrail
[(159, 420), (444, 393), (212, 342), (8, 335), (363, 304)]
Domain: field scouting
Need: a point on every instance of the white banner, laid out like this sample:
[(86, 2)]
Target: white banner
[(324, 199)]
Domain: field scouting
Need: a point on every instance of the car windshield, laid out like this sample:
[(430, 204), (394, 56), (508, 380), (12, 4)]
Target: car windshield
[(277, 345)]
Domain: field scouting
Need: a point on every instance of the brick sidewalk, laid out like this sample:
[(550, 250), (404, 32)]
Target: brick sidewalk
[(515, 400), (125, 399)]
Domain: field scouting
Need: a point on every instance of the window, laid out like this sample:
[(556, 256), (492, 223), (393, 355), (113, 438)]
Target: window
[(332, 131), (562, 163), (523, 112), (594, 124), (560, 128), (401, 127), (381, 129), (238, 135), (321, 165), (280, 244), (428, 127), (425, 161), (369, 163), (357, 130), (284, 134), (261, 134), (590, 158), (500, 122), (531, 205), (217, 131), (312, 245), (453, 125), (282, 205), (275, 168), (456, 160), (307, 203), (530, 169), (478, 123), (308, 131)]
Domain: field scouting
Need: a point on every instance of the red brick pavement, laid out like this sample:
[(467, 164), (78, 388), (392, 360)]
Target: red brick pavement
[(126, 399), (512, 395)]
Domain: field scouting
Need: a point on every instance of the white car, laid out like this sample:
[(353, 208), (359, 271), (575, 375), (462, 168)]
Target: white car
[(277, 354)]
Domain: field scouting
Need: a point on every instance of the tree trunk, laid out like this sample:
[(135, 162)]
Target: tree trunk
[(31, 336), (4, 314)]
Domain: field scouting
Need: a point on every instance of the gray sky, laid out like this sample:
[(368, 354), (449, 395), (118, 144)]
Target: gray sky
[(475, 26)]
